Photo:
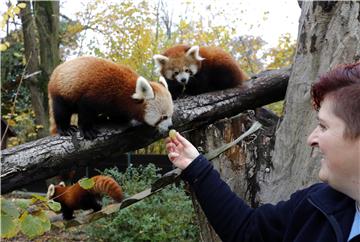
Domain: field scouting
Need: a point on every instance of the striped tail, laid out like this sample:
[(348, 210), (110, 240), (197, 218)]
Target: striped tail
[(107, 185)]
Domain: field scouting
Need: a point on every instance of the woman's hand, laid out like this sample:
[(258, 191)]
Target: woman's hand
[(180, 151)]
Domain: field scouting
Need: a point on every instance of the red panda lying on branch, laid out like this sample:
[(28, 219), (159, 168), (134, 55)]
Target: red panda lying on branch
[(192, 70), (75, 197), (93, 87)]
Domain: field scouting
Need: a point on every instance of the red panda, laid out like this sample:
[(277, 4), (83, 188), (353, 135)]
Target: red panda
[(75, 197), (192, 70), (94, 87)]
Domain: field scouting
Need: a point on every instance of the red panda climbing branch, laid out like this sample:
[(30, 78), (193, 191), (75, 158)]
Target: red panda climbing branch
[(75, 197), (94, 87)]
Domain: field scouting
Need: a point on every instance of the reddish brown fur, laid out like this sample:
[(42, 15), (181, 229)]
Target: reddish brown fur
[(212, 55), (96, 83), (75, 197), (108, 80), (99, 90), (107, 185), (217, 71)]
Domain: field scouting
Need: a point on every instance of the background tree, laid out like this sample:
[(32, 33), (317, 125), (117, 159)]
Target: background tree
[(38, 49), (16, 106), (328, 35), (32, 66)]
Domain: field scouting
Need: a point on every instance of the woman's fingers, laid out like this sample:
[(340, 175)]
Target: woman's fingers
[(173, 155), (181, 139)]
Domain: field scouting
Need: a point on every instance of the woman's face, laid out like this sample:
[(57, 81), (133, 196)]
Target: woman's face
[(340, 163)]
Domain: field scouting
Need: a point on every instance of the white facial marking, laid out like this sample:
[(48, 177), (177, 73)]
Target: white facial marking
[(158, 111), (164, 125), (183, 77), (168, 74), (193, 68)]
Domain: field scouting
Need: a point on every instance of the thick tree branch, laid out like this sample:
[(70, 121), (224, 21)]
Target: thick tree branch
[(46, 157)]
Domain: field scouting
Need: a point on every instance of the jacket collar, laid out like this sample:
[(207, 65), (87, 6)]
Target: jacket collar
[(332, 201)]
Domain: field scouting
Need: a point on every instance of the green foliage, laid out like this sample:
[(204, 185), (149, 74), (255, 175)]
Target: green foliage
[(16, 106), (34, 225), (166, 216), (283, 54), (277, 108), (26, 216), (55, 206), (87, 183)]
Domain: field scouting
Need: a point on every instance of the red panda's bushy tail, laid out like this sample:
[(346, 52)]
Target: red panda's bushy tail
[(107, 185)]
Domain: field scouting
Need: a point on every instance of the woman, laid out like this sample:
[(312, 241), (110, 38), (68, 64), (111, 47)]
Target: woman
[(328, 211)]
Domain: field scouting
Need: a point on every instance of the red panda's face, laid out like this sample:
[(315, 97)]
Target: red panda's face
[(181, 66), (159, 110), (53, 190), (158, 104), (180, 69)]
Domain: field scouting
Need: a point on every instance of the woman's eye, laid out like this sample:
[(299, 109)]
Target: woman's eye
[(322, 127)]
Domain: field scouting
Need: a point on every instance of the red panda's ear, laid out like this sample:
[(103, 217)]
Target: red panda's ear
[(62, 183), (143, 90), (160, 60), (51, 191), (193, 52), (163, 82)]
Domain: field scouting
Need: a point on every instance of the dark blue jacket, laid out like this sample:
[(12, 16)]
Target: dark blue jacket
[(318, 213)]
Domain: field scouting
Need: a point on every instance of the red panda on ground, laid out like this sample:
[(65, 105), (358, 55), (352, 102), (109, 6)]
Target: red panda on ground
[(192, 70), (75, 197), (94, 87)]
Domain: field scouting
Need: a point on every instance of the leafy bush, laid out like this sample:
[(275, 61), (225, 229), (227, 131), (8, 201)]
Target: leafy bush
[(166, 216)]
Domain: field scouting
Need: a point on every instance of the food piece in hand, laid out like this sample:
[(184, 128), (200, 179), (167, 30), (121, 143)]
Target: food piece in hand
[(172, 133)]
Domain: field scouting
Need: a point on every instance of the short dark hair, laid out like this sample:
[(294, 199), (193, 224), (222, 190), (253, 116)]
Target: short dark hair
[(342, 85)]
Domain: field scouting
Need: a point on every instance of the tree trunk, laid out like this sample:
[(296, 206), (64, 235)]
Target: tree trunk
[(47, 22), (329, 34), (31, 56), (240, 166)]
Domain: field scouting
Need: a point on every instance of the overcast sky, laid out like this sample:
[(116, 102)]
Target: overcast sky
[(282, 17)]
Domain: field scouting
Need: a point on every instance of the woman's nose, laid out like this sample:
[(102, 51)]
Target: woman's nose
[(312, 139)]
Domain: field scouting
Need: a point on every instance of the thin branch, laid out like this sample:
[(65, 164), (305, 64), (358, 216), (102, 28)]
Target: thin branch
[(15, 99)]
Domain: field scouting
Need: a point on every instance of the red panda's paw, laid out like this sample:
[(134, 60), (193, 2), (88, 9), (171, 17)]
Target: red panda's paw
[(89, 133), (71, 130)]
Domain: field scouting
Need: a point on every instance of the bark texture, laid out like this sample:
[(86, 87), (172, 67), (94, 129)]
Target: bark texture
[(329, 34), (31, 56)]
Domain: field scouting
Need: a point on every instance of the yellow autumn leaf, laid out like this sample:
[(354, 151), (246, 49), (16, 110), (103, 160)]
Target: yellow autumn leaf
[(22, 5), (11, 15), (17, 10), (5, 17), (3, 47), (11, 122)]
